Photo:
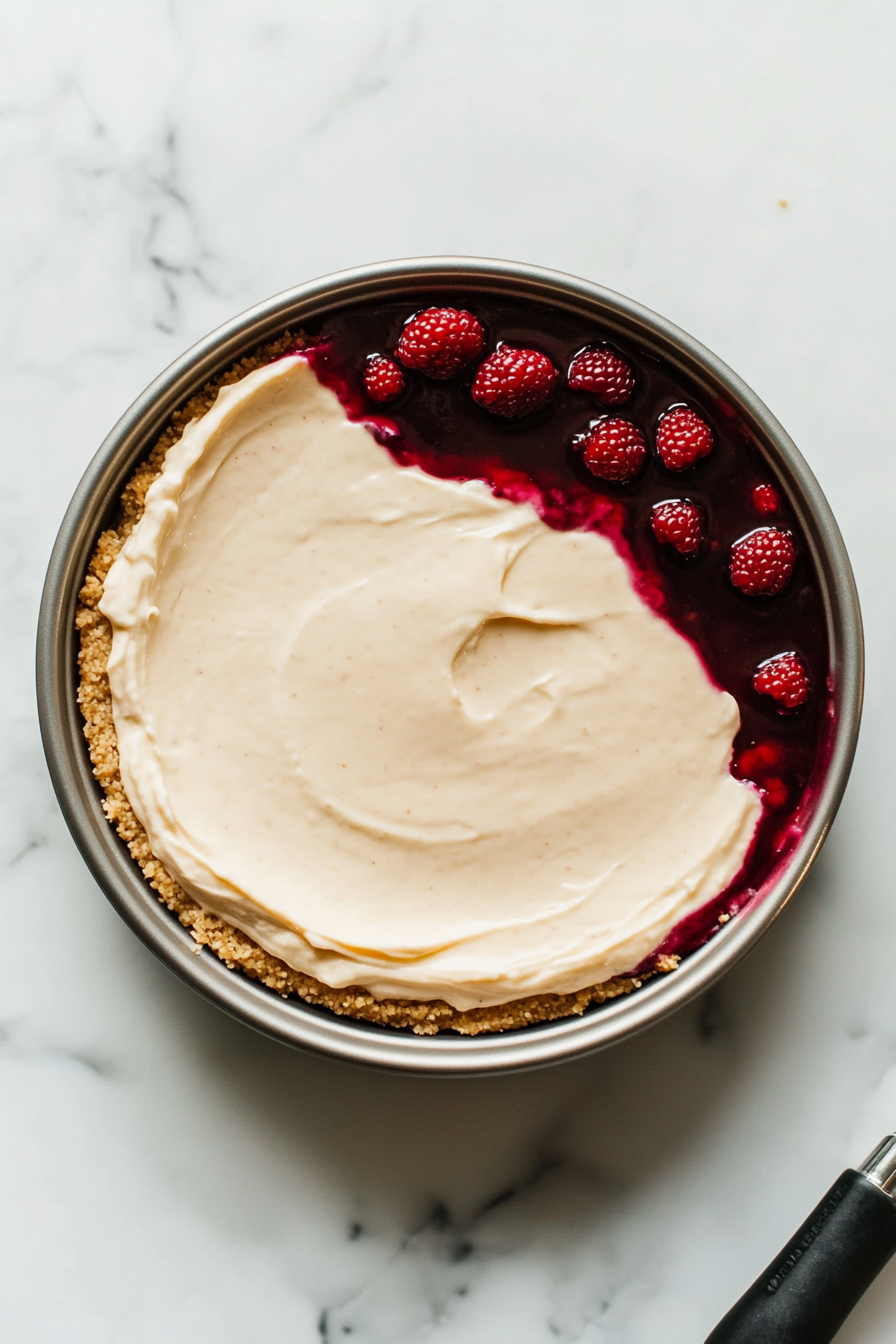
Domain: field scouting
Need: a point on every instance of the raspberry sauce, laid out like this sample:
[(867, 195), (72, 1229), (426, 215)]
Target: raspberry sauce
[(436, 425)]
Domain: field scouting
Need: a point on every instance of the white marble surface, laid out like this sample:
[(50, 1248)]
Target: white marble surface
[(164, 1173)]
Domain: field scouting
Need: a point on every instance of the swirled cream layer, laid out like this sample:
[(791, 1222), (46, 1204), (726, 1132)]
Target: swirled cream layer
[(400, 731)]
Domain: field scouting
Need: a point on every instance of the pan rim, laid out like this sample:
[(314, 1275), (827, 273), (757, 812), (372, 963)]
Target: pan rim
[(317, 1029)]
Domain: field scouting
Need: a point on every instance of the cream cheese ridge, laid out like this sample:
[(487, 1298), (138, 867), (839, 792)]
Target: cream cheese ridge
[(400, 731)]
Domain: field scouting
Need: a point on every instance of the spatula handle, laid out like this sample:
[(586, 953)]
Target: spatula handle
[(807, 1292)]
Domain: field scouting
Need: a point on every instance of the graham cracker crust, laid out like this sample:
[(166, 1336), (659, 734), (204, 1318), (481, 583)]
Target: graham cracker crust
[(238, 951)]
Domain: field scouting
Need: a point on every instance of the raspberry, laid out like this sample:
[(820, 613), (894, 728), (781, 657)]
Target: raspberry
[(682, 438), (602, 371), (761, 764), (614, 449), (775, 792), (440, 341), (678, 523), (383, 378), (514, 382), (766, 499), (757, 761), (762, 562), (784, 679)]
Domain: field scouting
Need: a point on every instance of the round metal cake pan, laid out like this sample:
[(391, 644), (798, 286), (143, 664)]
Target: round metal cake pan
[(92, 508)]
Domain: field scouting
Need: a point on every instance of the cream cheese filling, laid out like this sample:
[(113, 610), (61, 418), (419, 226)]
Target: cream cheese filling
[(401, 732)]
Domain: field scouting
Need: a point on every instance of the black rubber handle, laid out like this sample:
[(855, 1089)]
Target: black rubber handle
[(807, 1293)]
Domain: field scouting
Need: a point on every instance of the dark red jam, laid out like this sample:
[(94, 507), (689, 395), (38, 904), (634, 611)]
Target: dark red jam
[(435, 424)]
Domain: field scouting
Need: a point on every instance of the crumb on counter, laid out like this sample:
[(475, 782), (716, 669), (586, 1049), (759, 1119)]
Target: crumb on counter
[(236, 949)]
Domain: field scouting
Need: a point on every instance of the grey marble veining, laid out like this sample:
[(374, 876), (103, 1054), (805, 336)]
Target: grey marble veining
[(168, 1175)]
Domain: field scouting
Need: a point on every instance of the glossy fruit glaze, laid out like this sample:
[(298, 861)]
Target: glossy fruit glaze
[(436, 425)]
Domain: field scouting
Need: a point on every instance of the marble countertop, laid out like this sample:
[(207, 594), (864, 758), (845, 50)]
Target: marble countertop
[(168, 1175)]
